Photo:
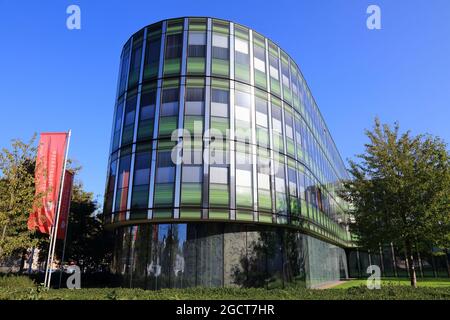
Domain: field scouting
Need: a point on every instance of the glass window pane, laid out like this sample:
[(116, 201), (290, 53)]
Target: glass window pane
[(218, 175), (195, 94), (219, 104), (197, 38), (142, 169), (243, 178), (192, 174), (273, 67), (197, 44), (220, 96), (220, 47), (263, 181), (165, 175), (124, 171), (174, 46), (220, 40), (170, 102), (241, 45)]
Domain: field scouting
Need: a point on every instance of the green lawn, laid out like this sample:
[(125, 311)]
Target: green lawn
[(427, 282), (22, 288)]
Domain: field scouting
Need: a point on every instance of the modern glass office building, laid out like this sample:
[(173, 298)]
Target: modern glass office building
[(222, 171)]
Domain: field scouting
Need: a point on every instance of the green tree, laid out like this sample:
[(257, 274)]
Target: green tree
[(17, 196), (400, 191), (87, 242)]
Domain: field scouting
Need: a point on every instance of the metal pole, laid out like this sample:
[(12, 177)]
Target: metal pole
[(65, 238), (55, 227), (48, 257)]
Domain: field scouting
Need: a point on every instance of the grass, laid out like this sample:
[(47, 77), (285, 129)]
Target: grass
[(421, 283), (22, 288)]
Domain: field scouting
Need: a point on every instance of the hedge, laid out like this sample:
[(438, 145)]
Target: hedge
[(22, 288)]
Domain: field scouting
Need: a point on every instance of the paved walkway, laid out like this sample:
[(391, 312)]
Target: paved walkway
[(329, 285)]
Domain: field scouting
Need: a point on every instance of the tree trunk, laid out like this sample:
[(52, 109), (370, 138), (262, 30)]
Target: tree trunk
[(411, 267), (446, 262), (22, 261), (3, 238)]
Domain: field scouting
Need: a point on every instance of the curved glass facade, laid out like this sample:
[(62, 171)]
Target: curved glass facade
[(155, 256), (215, 123)]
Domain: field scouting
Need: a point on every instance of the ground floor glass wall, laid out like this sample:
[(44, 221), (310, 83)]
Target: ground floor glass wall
[(392, 262), (326, 262), (155, 256)]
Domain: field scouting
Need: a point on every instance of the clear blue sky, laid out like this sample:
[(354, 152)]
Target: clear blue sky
[(53, 79)]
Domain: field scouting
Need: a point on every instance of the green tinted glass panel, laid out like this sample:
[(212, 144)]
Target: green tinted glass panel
[(218, 195), (171, 66), (265, 218), (262, 136), (273, 49), (241, 32), (151, 70), (162, 214), (260, 79), (242, 72), (167, 125), (127, 135), (133, 79), (299, 152), (139, 198), (277, 142), (220, 67), (275, 86), (191, 193), (193, 121), (175, 25), (163, 194), (138, 215), (287, 95), (295, 208), (281, 205), (264, 200), (220, 26), (196, 65), (145, 130), (245, 216), (244, 197), (220, 124), (304, 210), (190, 214), (243, 131), (290, 147), (197, 24), (216, 214)]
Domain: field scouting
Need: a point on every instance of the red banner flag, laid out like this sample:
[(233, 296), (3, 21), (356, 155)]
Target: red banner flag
[(65, 204), (49, 167)]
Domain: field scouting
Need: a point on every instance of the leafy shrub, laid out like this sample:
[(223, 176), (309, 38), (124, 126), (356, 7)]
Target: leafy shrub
[(13, 281), (22, 288)]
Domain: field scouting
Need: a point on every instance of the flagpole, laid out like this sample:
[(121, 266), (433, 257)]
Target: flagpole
[(65, 236), (46, 263), (55, 226), (48, 255)]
